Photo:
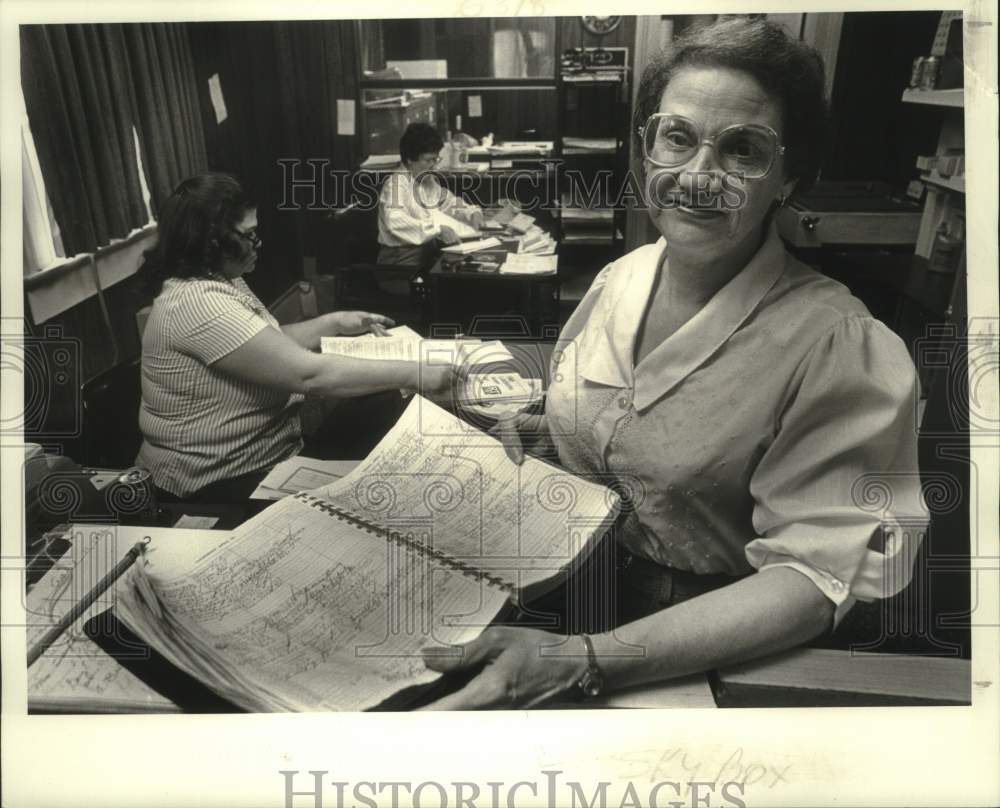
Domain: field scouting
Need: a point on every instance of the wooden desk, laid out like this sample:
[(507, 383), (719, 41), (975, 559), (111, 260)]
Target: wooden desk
[(107, 669), (490, 303)]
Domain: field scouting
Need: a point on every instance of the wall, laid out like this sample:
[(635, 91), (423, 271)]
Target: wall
[(281, 82), (876, 136)]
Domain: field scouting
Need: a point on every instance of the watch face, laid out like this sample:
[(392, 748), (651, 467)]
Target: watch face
[(601, 25)]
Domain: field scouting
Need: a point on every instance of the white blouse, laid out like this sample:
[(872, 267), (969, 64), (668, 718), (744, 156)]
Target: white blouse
[(777, 427), (405, 213)]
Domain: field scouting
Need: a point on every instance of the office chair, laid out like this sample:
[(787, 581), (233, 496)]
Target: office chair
[(111, 434)]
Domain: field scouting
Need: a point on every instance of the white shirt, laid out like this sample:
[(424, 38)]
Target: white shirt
[(199, 424), (405, 214), (775, 428)]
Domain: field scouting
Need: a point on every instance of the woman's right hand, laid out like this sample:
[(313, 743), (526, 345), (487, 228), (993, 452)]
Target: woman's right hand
[(448, 236), (515, 431)]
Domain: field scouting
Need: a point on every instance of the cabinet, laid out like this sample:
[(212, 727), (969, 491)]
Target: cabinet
[(943, 175), (939, 254), (592, 146)]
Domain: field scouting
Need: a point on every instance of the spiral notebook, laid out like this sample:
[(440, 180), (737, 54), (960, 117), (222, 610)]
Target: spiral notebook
[(324, 600)]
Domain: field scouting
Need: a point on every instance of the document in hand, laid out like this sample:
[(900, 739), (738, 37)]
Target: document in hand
[(461, 229), (324, 600), (412, 348)]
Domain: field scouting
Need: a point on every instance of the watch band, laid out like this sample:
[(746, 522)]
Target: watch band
[(592, 681)]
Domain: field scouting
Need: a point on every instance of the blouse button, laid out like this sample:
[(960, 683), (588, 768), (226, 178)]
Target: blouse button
[(623, 402), (837, 585)]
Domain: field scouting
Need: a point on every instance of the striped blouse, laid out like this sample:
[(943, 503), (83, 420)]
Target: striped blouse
[(199, 424)]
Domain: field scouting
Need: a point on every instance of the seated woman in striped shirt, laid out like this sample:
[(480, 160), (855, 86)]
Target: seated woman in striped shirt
[(410, 197), (221, 380)]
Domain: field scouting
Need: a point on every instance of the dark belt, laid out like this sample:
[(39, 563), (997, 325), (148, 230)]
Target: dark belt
[(645, 587), (609, 590)]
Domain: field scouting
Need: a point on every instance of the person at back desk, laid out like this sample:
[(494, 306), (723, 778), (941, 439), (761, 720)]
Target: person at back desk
[(406, 221), (221, 380)]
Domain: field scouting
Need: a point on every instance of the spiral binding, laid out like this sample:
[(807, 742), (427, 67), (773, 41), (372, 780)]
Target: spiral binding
[(407, 543)]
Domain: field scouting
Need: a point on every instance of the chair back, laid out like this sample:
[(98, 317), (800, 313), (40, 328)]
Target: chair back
[(111, 434), (352, 237)]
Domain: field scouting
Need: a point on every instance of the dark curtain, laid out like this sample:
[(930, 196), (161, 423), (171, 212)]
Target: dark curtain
[(80, 107), (281, 82), (317, 65), (169, 119)]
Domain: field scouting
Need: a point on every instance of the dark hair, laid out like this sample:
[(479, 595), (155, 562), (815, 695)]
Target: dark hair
[(419, 138), (790, 71), (197, 230)]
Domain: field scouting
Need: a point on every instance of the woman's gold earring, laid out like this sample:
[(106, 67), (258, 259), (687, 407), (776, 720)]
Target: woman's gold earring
[(782, 200)]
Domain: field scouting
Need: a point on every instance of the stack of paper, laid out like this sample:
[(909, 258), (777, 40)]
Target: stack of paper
[(537, 242), (374, 161), (301, 474), (472, 246), (515, 147), (521, 223), (527, 264), (508, 210)]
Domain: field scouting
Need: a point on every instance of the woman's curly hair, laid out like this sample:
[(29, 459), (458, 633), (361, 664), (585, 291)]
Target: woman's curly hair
[(197, 230), (789, 70)]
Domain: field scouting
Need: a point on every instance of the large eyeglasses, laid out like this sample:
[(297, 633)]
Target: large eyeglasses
[(251, 236), (749, 150)]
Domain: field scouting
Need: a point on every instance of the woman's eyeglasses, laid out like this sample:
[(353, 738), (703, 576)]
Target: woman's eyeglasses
[(251, 236), (747, 150)]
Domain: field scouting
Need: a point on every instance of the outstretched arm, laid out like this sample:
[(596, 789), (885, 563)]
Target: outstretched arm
[(273, 359), (770, 611)]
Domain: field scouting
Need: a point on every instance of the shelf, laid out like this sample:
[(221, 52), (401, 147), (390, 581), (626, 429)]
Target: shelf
[(586, 215), (938, 98), (589, 239), (593, 78), (953, 183), (594, 145)]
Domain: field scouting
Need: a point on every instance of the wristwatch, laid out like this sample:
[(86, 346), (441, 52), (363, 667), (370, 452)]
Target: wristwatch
[(592, 682)]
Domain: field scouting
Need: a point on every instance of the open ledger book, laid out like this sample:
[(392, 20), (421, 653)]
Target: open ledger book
[(324, 600)]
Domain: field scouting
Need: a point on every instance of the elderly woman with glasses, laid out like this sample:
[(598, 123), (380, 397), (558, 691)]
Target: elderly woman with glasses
[(221, 380), (410, 197), (747, 403)]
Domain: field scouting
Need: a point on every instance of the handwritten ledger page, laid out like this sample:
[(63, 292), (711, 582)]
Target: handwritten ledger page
[(302, 610)]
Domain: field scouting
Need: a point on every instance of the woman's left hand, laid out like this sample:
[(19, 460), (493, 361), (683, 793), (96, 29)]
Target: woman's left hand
[(350, 323), (516, 674)]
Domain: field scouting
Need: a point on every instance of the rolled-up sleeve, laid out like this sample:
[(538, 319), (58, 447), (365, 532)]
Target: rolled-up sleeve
[(837, 493)]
